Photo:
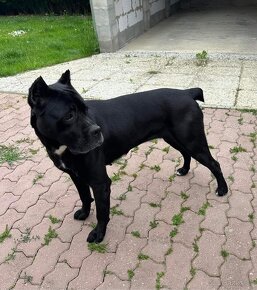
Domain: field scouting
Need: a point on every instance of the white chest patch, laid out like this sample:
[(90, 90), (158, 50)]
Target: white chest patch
[(60, 150)]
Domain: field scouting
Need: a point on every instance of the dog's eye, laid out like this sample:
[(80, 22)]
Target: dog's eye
[(68, 117)]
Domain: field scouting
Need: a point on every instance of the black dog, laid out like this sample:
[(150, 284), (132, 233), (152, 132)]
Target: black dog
[(81, 137)]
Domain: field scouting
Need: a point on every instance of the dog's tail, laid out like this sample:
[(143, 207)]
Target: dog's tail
[(197, 94)]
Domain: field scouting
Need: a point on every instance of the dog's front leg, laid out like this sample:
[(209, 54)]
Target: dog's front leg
[(85, 196), (102, 201)]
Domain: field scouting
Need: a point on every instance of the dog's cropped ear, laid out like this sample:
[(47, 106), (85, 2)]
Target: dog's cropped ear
[(65, 78), (37, 92)]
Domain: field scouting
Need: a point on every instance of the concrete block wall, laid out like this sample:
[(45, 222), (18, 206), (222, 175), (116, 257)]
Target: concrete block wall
[(118, 21)]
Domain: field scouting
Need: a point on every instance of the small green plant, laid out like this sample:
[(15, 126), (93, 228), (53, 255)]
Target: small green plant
[(153, 224), (135, 234), (115, 211), (123, 196), (195, 246), (253, 185), (174, 232), (9, 154), (193, 271), (51, 234), (25, 140), (5, 234), (155, 141), (172, 177), (231, 178), (240, 121), (135, 149), (234, 158), (211, 147), (177, 219), (93, 225), (100, 248), (153, 72), (158, 285), (37, 178), (131, 274), (253, 169), (134, 175), (253, 138), (152, 204), (253, 111), (224, 254), (183, 209), (26, 237), (54, 220), (169, 251), (141, 256), (254, 281), (251, 217), (166, 149), (115, 177), (202, 58), (148, 152), (10, 256), (27, 278), (237, 149), (33, 151), (184, 195), (202, 210), (129, 188), (156, 168)]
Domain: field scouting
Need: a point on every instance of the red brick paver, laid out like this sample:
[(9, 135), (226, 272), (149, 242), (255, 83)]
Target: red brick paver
[(212, 247)]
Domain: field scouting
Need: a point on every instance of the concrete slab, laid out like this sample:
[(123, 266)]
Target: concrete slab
[(215, 28)]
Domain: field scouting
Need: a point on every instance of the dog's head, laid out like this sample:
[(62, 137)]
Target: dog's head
[(59, 114)]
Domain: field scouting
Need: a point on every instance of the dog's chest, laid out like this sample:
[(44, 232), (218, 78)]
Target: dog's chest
[(59, 161)]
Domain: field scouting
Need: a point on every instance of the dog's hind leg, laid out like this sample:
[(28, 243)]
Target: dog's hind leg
[(85, 196), (187, 158)]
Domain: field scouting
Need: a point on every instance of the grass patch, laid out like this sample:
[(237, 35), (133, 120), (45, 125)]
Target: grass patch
[(166, 149), (51, 234), (135, 234), (115, 211), (224, 254), (141, 257), (237, 149), (46, 40), (251, 217), (184, 195), (156, 168), (202, 58), (54, 220), (177, 219), (253, 111), (153, 224), (152, 204), (202, 210), (253, 138), (38, 177), (9, 154), (100, 248), (158, 285), (174, 232), (131, 274), (5, 234)]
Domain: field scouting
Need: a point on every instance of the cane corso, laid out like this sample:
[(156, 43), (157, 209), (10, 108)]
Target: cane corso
[(82, 137)]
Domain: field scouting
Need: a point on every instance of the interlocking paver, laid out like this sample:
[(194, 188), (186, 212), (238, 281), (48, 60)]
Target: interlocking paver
[(234, 274), (209, 258), (32, 189), (202, 281), (238, 237)]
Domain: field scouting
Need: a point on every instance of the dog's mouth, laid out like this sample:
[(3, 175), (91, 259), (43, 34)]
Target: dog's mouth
[(89, 147)]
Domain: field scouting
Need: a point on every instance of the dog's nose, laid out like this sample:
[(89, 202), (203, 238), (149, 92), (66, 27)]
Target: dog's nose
[(95, 130)]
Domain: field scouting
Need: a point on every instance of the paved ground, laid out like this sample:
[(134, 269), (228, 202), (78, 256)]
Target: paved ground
[(165, 231), (206, 25)]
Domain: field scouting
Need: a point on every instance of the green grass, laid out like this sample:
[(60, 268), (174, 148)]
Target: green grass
[(10, 153), (237, 149), (135, 234), (51, 234), (54, 220), (131, 274), (177, 219), (5, 234), (100, 248), (47, 40)]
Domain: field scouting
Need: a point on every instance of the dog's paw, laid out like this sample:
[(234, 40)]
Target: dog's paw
[(81, 214), (95, 236), (221, 191), (182, 171)]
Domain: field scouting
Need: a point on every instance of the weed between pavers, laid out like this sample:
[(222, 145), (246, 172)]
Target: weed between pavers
[(51, 234), (131, 274), (10, 154), (54, 220), (10, 256), (224, 254), (115, 211), (156, 168), (5, 234), (153, 224), (136, 234), (253, 138), (202, 58), (34, 151), (177, 219), (158, 285), (251, 217), (38, 177), (27, 278), (202, 210), (166, 149), (142, 256), (100, 248), (184, 195), (237, 149)]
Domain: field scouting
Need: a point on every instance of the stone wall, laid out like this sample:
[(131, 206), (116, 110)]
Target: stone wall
[(119, 21)]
